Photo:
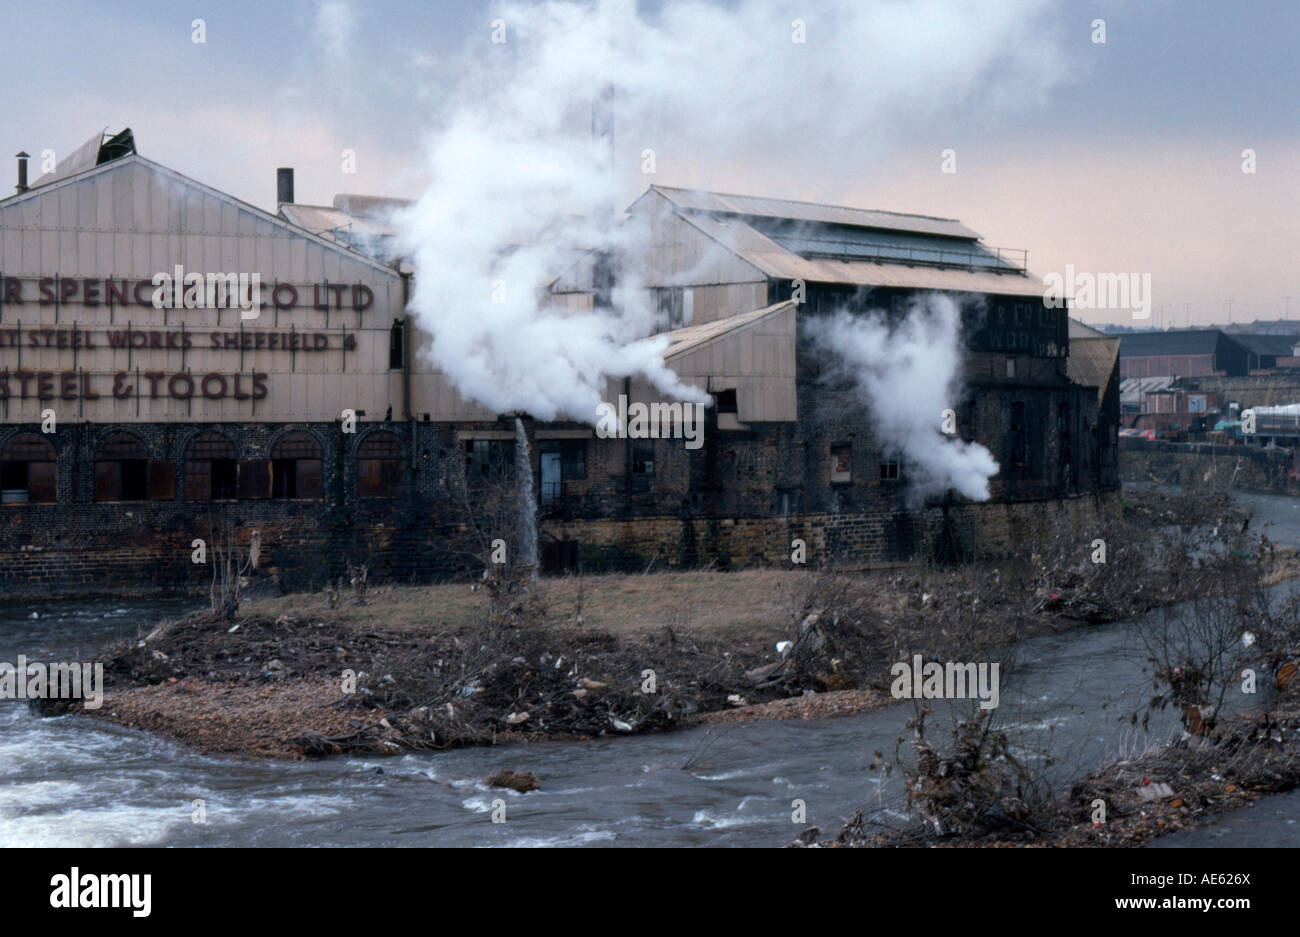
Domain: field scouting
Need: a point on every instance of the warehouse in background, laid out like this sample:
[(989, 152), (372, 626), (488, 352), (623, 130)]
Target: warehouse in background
[(175, 421)]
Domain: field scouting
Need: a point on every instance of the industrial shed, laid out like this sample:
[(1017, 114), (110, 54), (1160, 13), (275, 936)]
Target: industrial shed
[(172, 419)]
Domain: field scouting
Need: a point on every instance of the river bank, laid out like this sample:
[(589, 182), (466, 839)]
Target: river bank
[(1223, 663), (438, 667), (81, 781), (1172, 789)]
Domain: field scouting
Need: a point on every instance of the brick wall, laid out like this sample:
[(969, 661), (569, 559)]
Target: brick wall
[(1206, 465), (868, 539), (737, 501)]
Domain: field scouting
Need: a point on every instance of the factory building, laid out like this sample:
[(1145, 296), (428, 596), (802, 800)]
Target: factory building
[(279, 387)]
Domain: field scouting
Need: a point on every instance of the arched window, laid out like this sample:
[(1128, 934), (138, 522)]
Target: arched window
[(123, 471), (27, 470), (381, 467), (211, 469), (296, 467)]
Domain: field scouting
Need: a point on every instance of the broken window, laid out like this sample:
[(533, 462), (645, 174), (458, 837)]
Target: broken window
[(121, 469), (643, 466), (381, 467), (1016, 436), (725, 401), (668, 303), (253, 479), (211, 469), (124, 471), (561, 460), (967, 420), (27, 470), (162, 480), (488, 459), (296, 467), (841, 464)]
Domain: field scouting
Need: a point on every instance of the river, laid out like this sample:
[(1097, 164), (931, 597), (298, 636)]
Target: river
[(72, 781)]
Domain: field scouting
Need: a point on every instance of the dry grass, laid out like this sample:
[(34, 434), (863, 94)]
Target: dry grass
[(753, 602)]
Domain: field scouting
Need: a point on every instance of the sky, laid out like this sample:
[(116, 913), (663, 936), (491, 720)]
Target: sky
[(1126, 157)]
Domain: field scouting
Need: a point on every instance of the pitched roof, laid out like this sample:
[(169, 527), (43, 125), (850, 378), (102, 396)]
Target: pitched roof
[(695, 200), (122, 163), (1279, 345), (99, 149), (1175, 342), (777, 261), (1092, 361), (1133, 389), (693, 336)]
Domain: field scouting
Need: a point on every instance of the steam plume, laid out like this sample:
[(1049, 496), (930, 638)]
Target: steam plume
[(719, 93), (908, 372)]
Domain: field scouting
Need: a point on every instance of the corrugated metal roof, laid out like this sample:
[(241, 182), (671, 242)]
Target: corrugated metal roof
[(1279, 345), (694, 200), (320, 219), (692, 336), (1133, 389), (120, 164), (1178, 342), (99, 149), (372, 207), (372, 238), (776, 261), (838, 242), (1092, 361)]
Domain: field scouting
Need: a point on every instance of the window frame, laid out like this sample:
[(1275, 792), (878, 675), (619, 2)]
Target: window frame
[(841, 463), (219, 465), (381, 474), (48, 483)]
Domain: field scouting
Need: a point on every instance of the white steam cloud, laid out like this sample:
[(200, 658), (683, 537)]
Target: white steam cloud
[(738, 96), (908, 371)]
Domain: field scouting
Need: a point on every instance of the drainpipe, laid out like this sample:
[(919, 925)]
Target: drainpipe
[(406, 348), (627, 449), (411, 462)]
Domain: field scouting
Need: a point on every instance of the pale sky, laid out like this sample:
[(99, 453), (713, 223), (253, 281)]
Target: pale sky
[(1132, 163)]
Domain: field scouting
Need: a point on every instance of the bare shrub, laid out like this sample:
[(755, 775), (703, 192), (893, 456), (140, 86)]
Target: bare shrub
[(230, 566)]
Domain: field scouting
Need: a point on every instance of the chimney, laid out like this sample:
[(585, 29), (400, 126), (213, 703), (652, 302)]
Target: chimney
[(284, 186), (22, 172)]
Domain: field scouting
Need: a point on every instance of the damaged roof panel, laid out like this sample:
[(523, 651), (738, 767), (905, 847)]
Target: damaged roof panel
[(99, 149), (751, 353), (694, 200)]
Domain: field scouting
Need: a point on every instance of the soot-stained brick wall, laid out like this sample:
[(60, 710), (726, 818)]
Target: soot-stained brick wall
[(80, 546), (734, 501)]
